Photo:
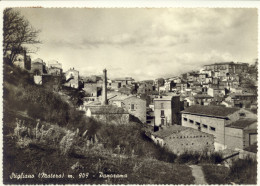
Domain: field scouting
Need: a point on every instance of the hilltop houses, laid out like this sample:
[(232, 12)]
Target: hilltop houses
[(23, 61), (72, 78)]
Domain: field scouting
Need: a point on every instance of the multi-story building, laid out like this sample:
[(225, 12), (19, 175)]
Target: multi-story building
[(54, 64), (227, 68), (134, 105), (91, 90), (167, 110), (72, 78), (202, 99), (38, 67), (216, 92), (54, 68), (242, 100), (145, 88)]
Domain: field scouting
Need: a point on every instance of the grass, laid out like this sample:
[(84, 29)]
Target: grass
[(216, 174), (242, 171), (35, 160)]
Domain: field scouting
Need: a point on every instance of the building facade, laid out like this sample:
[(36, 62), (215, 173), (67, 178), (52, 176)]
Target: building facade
[(166, 110), (212, 120), (179, 139), (72, 78)]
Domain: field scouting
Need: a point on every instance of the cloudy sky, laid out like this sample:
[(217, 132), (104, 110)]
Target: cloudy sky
[(144, 43)]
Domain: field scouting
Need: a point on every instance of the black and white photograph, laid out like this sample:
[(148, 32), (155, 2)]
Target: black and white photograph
[(129, 95)]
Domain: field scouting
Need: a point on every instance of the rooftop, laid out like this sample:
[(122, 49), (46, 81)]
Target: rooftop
[(175, 129), (169, 131), (242, 94), (210, 110), (37, 60), (164, 98), (201, 96), (106, 109), (242, 123), (120, 97)]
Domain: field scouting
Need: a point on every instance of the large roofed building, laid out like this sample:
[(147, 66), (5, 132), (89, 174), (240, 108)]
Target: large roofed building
[(214, 120), (179, 139)]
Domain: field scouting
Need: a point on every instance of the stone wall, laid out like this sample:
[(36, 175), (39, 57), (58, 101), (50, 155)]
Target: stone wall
[(190, 140)]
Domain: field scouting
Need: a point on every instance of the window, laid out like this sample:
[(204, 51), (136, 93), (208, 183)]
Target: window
[(161, 105), (205, 126), (197, 123), (242, 114), (162, 113), (213, 128), (132, 106), (162, 121), (191, 121), (185, 119)]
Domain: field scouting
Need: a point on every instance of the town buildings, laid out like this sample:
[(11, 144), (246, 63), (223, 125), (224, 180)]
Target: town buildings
[(167, 110), (38, 67), (108, 114), (23, 61), (227, 67), (179, 139), (241, 134), (72, 78), (214, 120)]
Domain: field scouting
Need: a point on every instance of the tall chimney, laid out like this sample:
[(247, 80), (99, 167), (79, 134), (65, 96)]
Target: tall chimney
[(104, 91)]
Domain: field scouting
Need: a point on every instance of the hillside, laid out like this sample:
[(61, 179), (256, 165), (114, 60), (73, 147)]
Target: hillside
[(43, 134)]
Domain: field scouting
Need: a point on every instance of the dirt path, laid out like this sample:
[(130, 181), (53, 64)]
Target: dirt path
[(198, 174)]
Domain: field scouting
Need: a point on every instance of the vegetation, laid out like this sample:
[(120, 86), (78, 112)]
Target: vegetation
[(18, 33), (242, 171), (215, 174), (196, 158), (64, 138)]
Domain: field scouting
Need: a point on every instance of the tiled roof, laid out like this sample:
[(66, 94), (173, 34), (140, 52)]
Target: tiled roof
[(169, 131), (210, 110), (175, 129), (120, 97), (107, 110), (242, 123)]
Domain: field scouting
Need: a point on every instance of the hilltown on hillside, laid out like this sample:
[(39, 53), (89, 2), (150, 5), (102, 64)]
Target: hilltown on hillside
[(213, 109)]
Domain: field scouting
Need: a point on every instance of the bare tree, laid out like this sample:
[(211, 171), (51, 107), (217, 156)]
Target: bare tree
[(18, 33)]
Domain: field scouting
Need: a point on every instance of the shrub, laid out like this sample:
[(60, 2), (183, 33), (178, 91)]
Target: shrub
[(243, 171)]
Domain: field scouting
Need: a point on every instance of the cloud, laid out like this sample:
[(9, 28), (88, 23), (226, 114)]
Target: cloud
[(145, 43)]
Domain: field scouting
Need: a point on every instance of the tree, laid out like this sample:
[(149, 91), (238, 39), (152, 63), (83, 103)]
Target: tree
[(18, 33)]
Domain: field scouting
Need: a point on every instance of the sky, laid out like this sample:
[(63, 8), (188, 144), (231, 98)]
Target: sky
[(144, 43)]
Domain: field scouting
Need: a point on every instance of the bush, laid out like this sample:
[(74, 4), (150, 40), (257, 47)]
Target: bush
[(197, 157), (244, 171)]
